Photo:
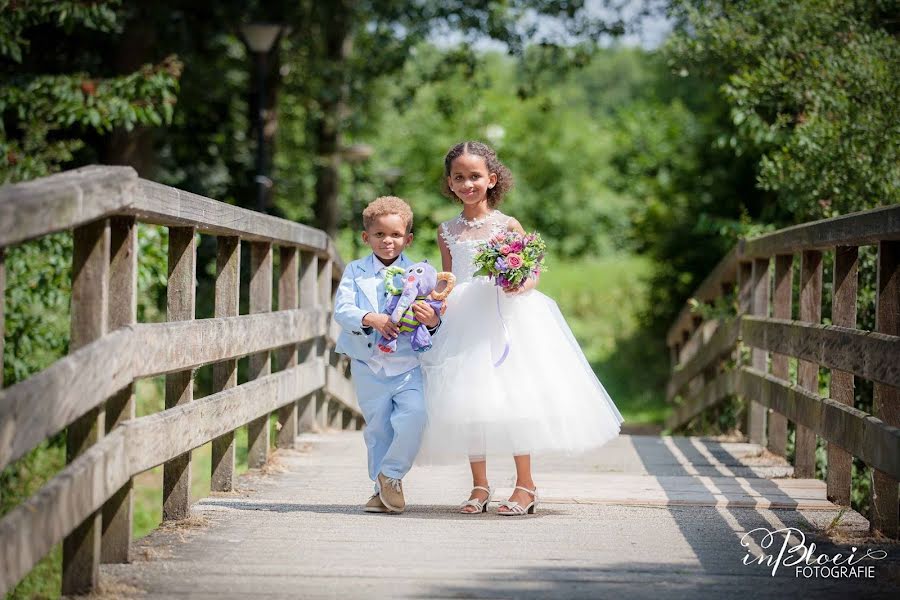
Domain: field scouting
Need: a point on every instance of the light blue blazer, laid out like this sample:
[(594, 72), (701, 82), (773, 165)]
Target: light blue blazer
[(358, 294)]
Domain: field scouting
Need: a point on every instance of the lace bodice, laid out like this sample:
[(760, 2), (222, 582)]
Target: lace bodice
[(462, 239)]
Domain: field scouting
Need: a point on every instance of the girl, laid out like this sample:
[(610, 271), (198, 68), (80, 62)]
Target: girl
[(505, 376)]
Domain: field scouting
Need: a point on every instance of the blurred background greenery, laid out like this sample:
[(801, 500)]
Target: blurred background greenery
[(644, 136)]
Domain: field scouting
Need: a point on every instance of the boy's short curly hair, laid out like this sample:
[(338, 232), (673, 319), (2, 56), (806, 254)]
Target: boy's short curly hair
[(476, 148), (388, 205)]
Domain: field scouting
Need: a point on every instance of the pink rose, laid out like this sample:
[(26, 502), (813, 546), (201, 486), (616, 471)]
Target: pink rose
[(505, 249), (514, 261), (517, 246)]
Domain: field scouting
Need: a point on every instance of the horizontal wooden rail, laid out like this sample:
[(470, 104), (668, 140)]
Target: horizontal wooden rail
[(73, 198), (721, 342), (30, 530), (84, 379), (856, 229), (874, 356), (709, 395), (861, 434), (102, 206)]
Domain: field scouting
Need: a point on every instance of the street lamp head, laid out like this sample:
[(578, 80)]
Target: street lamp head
[(260, 36), (357, 153)]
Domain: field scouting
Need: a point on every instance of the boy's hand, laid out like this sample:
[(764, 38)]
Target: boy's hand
[(426, 314), (383, 324)]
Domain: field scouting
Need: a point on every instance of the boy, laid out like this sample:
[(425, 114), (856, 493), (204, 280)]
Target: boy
[(388, 386)]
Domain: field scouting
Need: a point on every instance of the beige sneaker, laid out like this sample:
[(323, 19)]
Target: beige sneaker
[(391, 493), (375, 505)]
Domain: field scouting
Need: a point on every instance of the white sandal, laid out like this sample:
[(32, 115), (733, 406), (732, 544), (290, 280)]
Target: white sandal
[(480, 505), (516, 509)]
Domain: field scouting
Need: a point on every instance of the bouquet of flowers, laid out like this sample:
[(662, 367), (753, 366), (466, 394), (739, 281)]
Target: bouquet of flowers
[(509, 258)]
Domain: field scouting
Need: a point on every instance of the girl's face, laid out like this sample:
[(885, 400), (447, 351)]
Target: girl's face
[(469, 178)]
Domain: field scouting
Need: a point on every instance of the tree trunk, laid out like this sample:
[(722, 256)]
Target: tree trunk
[(335, 32)]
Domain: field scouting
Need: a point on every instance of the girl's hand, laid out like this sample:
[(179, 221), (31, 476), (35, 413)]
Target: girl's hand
[(528, 285)]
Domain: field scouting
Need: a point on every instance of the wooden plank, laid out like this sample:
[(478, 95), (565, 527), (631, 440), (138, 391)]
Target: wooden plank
[(843, 314), (808, 372), (260, 366), (30, 530), (63, 201), (863, 435), (2, 316), (164, 205), (288, 299), (89, 319), (886, 404), (341, 389), (309, 297), (157, 437), (756, 417), (79, 382), (179, 386), (117, 512), (856, 229), (228, 291), (721, 343), (873, 356), (782, 296), (711, 394)]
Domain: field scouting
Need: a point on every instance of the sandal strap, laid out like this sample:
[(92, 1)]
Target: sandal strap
[(478, 487), (525, 489)]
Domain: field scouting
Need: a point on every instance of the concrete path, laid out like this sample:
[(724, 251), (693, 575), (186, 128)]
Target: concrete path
[(643, 517)]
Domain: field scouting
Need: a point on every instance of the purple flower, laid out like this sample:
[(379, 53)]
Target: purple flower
[(500, 265), (502, 281)]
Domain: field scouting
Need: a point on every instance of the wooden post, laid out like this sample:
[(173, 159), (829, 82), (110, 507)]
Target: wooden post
[(843, 313), (260, 366), (884, 516), (89, 320), (759, 357), (325, 301), (228, 291), (117, 512), (808, 372), (745, 301), (2, 311), (781, 309), (337, 416), (288, 298), (309, 297), (179, 386)]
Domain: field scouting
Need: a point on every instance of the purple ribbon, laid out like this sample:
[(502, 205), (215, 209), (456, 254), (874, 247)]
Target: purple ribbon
[(505, 333)]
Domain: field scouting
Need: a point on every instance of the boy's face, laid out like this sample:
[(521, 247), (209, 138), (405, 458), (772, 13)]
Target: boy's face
[(387, 237)]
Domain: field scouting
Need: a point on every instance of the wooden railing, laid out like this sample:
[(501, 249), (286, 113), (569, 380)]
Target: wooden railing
[(708, 365), (89, 393)]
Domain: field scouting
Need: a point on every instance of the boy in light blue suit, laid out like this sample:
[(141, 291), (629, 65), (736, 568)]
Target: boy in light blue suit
[(388, 386)]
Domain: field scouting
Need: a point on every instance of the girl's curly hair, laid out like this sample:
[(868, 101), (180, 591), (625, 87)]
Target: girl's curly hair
[(504, 177)]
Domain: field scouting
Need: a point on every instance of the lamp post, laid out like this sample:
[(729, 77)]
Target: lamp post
[(260, 38), (356, 154)]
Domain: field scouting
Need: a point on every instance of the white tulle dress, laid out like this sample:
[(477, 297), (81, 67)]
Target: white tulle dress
[(543, 397)]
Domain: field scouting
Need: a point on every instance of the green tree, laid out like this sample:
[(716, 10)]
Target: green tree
[(812, 87)]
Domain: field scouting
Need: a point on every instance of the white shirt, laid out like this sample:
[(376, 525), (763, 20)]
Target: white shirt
[(382, 362)]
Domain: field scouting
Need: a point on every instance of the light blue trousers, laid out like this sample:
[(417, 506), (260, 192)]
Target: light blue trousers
[(394, 409)]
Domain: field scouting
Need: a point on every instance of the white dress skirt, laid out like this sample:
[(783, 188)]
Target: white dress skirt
[(505, 376)]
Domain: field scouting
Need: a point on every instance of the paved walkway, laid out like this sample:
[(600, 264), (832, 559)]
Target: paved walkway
[(643, 517)]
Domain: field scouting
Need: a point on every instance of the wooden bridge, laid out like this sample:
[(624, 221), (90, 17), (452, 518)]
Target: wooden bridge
[(645, 515)]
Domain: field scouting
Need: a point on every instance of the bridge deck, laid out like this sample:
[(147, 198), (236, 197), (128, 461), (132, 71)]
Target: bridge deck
[(645, 516)]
